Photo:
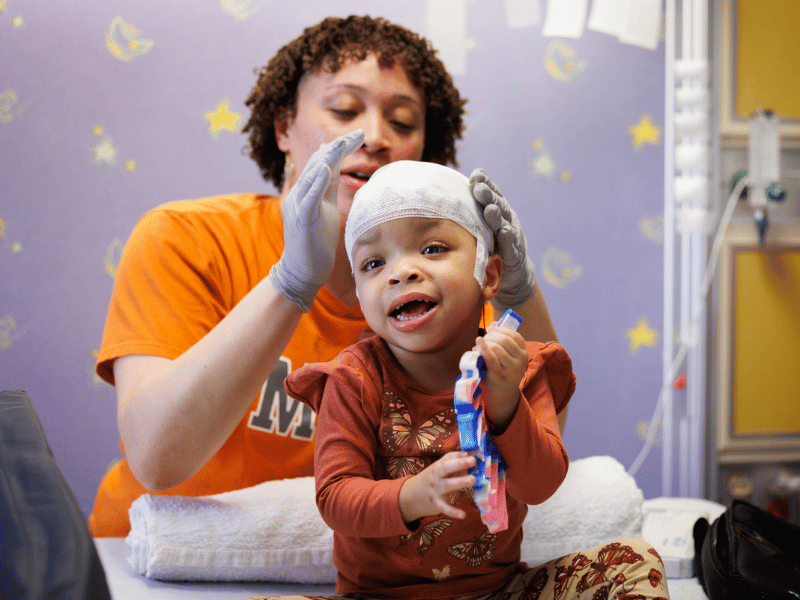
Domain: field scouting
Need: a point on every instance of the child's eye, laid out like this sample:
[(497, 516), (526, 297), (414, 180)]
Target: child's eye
[(371, 264), (434, 249)]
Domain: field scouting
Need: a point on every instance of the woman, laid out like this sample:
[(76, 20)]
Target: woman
[(217, 300)]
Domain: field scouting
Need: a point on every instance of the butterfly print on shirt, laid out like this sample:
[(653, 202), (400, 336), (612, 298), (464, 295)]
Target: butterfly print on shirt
[(467, 492), (399, 434), (426, 535), (396, 467), (476, 552)]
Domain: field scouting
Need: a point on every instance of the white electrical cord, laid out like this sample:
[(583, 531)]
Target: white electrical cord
[(710, 271)]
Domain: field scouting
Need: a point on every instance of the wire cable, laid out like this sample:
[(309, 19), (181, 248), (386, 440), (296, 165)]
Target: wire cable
[(683, 349)]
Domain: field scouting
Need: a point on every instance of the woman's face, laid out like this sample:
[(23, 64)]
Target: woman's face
[(361, 95)]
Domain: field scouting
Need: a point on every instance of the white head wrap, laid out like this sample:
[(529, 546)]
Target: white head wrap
[(410, 188)]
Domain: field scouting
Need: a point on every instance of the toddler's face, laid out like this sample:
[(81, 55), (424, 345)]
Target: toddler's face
[(416, 285)]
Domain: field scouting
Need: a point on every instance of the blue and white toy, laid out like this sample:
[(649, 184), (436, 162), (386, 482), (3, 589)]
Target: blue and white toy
[(490, 469)]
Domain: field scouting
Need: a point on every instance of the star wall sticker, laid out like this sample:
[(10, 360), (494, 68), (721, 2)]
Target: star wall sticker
[(105, 152), (642, 335), (644, 132), (222, 118)]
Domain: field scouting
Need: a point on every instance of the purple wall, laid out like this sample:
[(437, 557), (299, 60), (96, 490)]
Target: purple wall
[(91, 141)]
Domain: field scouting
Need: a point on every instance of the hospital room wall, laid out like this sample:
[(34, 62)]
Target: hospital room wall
[(110, 109), (756, 68)]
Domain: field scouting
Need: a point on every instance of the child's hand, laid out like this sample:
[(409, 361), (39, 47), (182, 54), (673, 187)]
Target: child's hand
[(506, 358), (428, 492)]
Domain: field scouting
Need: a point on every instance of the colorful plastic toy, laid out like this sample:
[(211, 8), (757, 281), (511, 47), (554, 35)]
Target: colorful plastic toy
[(490, 469)]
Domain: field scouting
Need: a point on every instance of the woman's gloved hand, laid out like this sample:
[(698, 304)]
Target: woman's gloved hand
[(311, 224), (519, 273)]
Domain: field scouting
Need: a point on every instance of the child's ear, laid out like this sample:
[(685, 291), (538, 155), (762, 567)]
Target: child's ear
[(494, 272)]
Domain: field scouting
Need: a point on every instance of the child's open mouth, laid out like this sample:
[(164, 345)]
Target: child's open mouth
[(412, 310)]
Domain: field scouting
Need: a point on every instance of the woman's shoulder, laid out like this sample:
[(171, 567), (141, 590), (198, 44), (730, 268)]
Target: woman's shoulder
[(232, 206), (218, 221)]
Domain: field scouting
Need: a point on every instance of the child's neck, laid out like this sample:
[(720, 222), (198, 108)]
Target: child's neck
[(436, 371)]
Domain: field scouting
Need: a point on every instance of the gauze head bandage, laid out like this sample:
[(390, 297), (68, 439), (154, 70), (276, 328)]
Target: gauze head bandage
[(409, 188)]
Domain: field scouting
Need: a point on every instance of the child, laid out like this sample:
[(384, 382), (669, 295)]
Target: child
[(391, 480)]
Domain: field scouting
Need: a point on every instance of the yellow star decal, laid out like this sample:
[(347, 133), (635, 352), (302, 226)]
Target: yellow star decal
[(642, 335), (2, 228), (2, 5), (222, 118), (644, 132), (105, 151)]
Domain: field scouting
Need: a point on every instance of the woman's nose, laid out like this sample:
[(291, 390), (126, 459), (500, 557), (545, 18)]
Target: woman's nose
[(376, 132)]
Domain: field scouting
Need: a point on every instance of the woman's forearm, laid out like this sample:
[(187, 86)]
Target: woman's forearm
[(536, 324), (538, 327), (174, 415)]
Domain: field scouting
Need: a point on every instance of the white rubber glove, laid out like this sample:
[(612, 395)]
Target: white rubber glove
[(519, 274), (311, 224)]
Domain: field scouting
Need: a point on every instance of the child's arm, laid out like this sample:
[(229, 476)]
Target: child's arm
[(352, 497), (520, 411), (427, 493), (506, 358)]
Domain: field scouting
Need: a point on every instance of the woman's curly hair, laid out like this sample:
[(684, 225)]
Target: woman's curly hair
[(328, 45)]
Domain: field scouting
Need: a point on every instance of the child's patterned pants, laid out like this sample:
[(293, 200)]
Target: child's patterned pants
[(625, 570)]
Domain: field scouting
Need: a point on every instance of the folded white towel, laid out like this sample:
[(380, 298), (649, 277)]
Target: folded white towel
[(273, 531), (269, 532), (597, 502)]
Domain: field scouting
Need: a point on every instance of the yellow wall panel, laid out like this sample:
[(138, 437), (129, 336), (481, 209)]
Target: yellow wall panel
[(768, 57), (766, 340)]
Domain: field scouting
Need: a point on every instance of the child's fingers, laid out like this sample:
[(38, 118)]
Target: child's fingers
[(504, 336), (501, 348), (450, 475), (449, 510), (456, 461)]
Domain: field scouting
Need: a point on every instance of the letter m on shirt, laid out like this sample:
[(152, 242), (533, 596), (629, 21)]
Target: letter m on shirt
[(278, 413)]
